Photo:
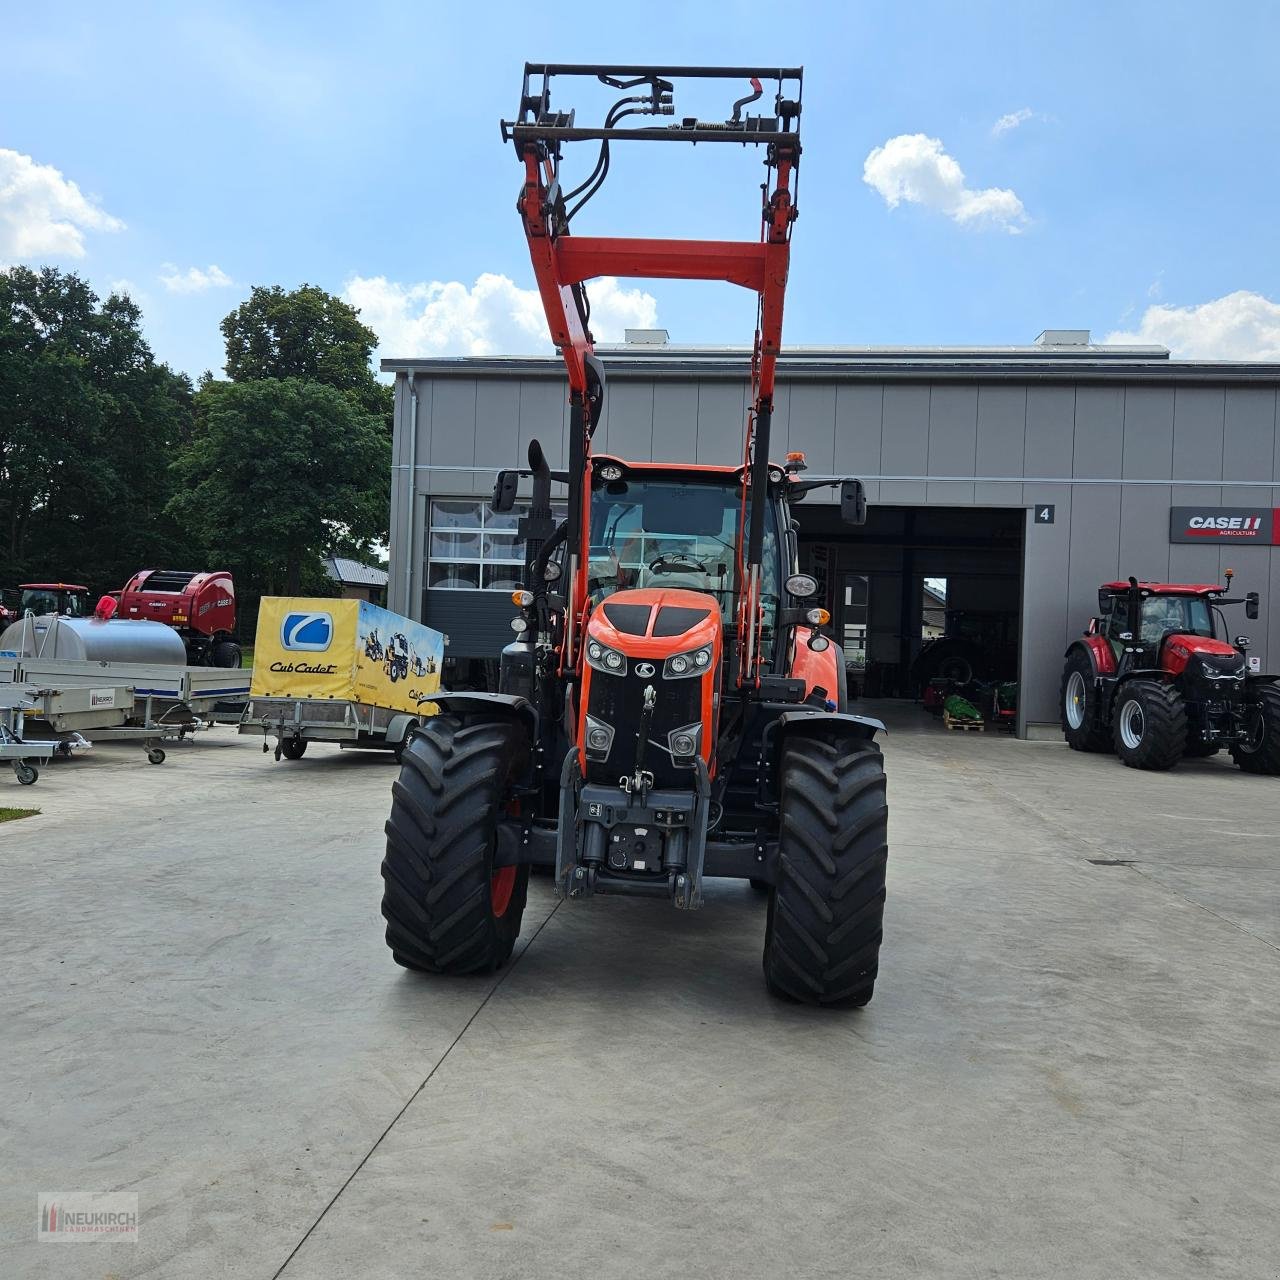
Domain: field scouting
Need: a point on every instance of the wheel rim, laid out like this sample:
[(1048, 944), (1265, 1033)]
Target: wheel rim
[(1132, 724), (957, 669), (501, 884), (1075, 700)]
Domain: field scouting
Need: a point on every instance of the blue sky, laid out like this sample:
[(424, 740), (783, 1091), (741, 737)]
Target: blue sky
[(1132, 190)]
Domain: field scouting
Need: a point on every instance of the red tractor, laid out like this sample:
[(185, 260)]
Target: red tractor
[(201, 607), (1152, 680), (671, 709)]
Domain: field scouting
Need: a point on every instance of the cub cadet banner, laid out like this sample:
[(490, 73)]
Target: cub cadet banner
[(348, 649)]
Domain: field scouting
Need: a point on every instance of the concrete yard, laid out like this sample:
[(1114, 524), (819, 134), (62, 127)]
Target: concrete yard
[(1070, 1068)]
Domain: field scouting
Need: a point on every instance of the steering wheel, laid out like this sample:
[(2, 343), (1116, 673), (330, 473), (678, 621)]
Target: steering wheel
[(676, 562)]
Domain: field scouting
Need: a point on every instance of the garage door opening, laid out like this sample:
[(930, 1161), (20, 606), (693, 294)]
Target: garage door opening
[(919, 593)]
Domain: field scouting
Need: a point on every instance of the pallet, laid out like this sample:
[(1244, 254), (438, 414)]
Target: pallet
[(952, 723)]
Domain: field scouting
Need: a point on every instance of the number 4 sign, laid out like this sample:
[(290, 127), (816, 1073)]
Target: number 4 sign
[(1044, 513)]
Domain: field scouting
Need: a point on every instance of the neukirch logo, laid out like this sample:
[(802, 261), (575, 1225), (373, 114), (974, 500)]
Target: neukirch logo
[(310, 631)]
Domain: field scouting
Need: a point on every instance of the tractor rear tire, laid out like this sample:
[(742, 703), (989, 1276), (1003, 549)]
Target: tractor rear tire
[(448, 910), (1262, 755), (1150, 724), (1079, 699), (826, 912)]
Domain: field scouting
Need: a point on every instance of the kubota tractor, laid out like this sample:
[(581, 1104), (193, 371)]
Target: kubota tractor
[(1153, 680), (671, 709)]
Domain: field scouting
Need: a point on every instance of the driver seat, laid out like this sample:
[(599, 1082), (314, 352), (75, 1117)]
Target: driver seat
[(682, 578)]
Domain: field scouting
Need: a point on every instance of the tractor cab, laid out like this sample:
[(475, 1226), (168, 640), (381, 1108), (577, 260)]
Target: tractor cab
[(67, 598)]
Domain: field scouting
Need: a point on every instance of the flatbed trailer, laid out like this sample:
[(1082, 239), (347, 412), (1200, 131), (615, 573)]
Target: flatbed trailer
[(353, 726)]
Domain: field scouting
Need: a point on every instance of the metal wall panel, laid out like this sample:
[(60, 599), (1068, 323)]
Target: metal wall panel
[(1198, 419), (905, 446), (1099, 431), (859, 433), (675, 419), (1001, 445), (721, 417), (953, 442), (627, 429), (811, 426)]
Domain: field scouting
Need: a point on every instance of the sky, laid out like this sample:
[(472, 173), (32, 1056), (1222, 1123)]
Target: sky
[(972, 174)]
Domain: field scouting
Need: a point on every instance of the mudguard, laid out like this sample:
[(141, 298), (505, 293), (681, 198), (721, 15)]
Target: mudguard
[(1099, 651), (835, 725), (479, 705)]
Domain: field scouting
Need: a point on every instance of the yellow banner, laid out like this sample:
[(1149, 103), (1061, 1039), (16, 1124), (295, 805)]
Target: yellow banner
[(310, 647)]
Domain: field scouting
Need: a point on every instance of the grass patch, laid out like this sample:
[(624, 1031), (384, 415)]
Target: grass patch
[(246, 657), (10, 815)]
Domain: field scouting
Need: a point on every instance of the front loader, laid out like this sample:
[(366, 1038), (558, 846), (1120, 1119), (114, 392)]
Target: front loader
[(671, 708)]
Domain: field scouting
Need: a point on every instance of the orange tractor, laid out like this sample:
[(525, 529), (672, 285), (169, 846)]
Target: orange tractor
[(671, 708)]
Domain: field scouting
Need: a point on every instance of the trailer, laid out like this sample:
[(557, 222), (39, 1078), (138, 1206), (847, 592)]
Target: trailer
[(340, 671), (15, 749)]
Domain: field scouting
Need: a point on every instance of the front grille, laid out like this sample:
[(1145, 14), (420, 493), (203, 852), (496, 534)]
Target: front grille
[(619, 700)]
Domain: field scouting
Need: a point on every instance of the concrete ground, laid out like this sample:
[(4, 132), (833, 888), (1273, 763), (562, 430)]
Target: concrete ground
[(1071, 1068)]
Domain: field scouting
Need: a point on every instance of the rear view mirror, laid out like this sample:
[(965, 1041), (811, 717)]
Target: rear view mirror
[(504, 491), (1251, 606), (853, 502)]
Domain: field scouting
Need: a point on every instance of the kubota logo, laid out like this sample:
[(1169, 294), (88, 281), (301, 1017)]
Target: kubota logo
[(311, 632), (645, 670)]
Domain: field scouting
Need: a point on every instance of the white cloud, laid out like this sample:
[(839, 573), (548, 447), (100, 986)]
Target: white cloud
[(43, 214), (1011, 121), (492, 317), (915, 168), (194, 279), (1238, 326)]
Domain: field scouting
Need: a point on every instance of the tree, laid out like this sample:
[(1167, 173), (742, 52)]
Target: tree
[(88, 424), (307, 334), (279, 472)]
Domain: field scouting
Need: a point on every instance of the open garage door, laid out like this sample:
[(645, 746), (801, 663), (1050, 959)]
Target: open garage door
[(920, 592)]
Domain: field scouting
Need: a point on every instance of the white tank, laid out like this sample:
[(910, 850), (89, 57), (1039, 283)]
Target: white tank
[(89, 640)]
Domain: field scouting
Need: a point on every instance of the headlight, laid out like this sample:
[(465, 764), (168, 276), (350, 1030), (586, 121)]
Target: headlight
[(683, 742), (680, 666), (599, 737), (605, 659)]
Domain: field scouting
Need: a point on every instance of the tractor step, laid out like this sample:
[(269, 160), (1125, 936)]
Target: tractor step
[(953, 722)]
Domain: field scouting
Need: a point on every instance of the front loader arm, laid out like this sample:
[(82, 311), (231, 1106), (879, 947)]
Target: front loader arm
[(562, 263)]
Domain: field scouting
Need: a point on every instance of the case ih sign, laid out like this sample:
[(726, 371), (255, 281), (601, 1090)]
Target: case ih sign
[(1225, 524)]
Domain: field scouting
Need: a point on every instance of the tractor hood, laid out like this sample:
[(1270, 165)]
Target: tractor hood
[(652, 622), (1179, 650)]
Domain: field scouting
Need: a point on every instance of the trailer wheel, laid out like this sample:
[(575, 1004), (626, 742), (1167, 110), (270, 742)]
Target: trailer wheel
[(226, 653), (1150, 725), (1260, 751), (822, 939), (27, 773), (293, 748), (448, 909), (1084, 721), (409, 730), (156, 755)]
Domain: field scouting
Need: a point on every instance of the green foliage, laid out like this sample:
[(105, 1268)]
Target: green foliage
[(277, 473), (307, 334), (88, 424)]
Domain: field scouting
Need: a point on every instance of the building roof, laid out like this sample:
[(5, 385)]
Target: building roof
[(1069, 362), (352, 573)]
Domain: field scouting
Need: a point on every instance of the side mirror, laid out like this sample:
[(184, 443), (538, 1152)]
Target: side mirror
[(853, 502), (504, 491), (1251, 606)]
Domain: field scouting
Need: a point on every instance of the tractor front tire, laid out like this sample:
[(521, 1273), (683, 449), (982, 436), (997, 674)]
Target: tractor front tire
[(1261, 753), (822, 939), (1150, 725), (1084, 723), (448, 909)]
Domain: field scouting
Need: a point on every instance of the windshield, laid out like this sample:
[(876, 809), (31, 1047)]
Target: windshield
[(1186, 614), (42, 600), (664, 533)]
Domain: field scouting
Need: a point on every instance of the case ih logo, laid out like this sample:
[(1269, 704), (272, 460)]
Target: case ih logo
[(1220, 524), (312, 632)]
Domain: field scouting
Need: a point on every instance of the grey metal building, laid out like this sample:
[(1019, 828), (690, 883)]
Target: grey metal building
[(1021, 478)]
